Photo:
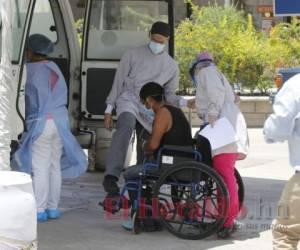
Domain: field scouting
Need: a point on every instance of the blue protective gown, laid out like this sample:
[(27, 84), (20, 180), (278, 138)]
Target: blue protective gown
[(43, 100)]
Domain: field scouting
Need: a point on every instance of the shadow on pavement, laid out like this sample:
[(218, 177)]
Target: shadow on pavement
[(83, 225)]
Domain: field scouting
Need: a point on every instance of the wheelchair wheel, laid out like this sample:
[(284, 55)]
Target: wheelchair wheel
[(199, 207), (136, 222), (241, 187)]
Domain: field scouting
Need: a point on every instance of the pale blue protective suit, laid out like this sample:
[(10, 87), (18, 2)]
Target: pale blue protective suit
[(41, 102)]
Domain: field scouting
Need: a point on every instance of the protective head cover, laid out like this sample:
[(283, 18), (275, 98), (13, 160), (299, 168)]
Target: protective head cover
[(203, 59), (40, 44), (160, 28), (204, 56)]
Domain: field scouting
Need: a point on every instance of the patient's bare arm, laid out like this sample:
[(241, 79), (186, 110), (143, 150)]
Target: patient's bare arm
[(162, 123)]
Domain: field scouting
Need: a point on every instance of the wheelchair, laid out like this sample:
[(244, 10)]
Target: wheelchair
[(182, 192)]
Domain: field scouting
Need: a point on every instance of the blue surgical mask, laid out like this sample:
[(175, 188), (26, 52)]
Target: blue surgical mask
[(156, 48), (148, 112)]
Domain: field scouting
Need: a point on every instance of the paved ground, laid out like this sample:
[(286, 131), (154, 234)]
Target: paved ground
[(83, 226)]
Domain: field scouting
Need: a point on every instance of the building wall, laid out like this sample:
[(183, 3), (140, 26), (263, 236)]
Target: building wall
[(250, 6), (255, 110)]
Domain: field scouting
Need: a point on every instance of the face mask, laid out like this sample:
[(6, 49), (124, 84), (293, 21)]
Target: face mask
[(156, 48), (148, 112)]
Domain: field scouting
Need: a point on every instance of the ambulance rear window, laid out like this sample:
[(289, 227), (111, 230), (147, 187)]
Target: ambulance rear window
[(116, 26), (19, 16)]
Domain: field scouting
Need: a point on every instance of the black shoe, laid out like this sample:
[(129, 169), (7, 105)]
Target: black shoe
[(225, 232), (237, 226), (114, 202), (111, 203)]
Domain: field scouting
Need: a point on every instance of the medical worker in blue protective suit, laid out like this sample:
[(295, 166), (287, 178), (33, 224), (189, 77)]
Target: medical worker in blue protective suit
[(48, 150)]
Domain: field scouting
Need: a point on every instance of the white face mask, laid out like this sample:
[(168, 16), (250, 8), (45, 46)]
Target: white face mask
[(156, 48)]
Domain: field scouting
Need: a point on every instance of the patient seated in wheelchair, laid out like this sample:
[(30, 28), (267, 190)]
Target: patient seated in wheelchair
[(176, 187), (170, 127)]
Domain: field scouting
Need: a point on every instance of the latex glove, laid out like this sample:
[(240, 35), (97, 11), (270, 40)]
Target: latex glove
[(211, 119), (268, 140), (237, 99), (108, 121)]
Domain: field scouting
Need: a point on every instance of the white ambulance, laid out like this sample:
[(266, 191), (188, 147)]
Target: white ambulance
[(110, 28)]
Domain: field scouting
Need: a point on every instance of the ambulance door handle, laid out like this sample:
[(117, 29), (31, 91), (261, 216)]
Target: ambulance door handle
[(22, 92), (52, 28)]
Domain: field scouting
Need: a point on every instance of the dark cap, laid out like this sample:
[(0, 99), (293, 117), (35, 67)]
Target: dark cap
[(160, 28)]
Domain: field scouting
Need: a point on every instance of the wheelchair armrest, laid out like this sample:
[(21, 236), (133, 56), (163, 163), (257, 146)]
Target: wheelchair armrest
[(175, 148), (178, 151)]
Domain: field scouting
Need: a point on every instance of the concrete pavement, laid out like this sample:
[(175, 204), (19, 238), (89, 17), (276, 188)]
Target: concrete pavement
[(83, 226)]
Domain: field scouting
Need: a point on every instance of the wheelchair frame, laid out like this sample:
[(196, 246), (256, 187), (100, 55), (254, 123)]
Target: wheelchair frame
[(194, 164)]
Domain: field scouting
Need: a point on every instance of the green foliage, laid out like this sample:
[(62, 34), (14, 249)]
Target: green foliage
[(285, 38), (241, 53), (142, 21), (79, 28), (215, 29)]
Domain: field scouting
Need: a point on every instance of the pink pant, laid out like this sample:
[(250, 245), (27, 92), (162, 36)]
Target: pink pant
[(224, 164)]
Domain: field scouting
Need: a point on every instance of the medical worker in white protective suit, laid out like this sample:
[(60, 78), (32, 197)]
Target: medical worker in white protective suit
[(284, 125), (138, 66), (215, 99), (48, 150)]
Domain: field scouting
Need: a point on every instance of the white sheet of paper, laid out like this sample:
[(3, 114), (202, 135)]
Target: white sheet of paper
[(221, 134)]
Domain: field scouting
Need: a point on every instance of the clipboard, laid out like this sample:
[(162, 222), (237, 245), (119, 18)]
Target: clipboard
[(221, 134)]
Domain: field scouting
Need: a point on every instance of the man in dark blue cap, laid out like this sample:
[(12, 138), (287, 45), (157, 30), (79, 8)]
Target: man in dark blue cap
[(148, 63)]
